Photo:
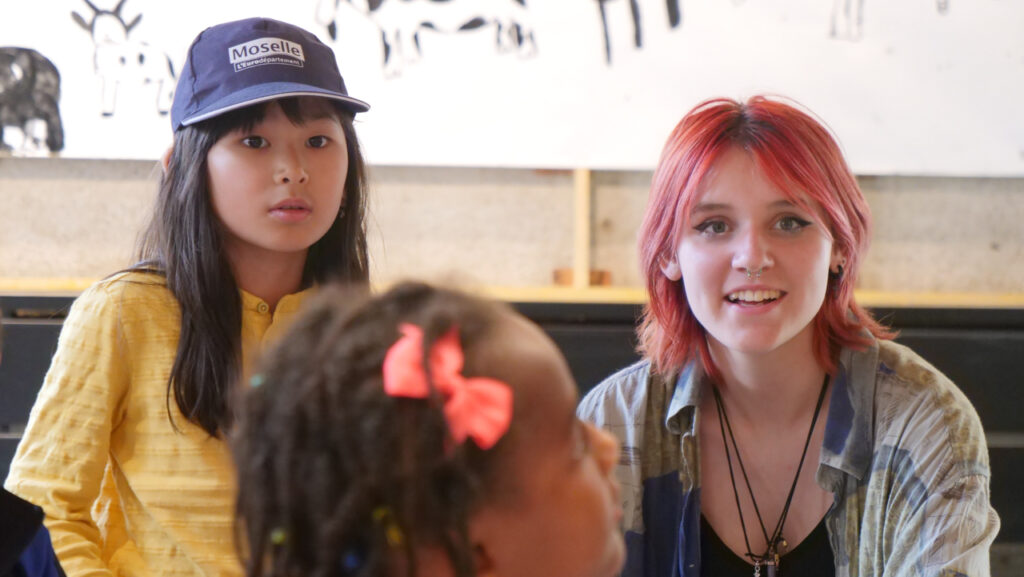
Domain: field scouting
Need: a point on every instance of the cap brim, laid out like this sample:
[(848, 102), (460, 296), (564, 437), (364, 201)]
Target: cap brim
[(271, 91)]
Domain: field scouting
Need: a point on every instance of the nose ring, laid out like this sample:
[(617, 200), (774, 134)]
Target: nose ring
[(755, 274)]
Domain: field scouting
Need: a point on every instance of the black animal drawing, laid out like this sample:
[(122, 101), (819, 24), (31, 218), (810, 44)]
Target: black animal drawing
[(848, 18), (29, 96), (401, 22), (675, 18), (118, 59)]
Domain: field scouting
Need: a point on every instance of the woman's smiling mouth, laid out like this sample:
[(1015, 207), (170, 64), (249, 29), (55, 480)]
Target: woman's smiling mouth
[(753, 297)]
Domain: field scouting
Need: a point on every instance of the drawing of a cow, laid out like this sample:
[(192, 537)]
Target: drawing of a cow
[(848, 18), (401, 21), (118, 59), (675, 17), (29, 93)]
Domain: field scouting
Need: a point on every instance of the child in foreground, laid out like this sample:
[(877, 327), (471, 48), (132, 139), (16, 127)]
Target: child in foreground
[(354, 460)]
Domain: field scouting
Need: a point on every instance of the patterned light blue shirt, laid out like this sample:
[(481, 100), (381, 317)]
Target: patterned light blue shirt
[(904, 455)]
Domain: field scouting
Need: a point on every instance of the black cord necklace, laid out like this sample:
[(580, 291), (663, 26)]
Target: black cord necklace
[(770, 558)]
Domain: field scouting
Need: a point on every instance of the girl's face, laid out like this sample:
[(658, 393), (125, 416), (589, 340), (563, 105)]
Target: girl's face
[(741, 222), (561, 512), (277, 187)]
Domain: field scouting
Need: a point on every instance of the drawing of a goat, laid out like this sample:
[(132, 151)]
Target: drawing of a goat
[(401, 22), (119, 59)]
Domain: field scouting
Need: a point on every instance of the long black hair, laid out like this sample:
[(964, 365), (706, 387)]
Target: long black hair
[(336, 477), (184, 242)]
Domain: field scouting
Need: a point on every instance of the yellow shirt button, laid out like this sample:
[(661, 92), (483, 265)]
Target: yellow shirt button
[(262, 308)]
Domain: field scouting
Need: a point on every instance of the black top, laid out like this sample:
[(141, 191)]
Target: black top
[(22, 521), (811, 557), (25, 549)]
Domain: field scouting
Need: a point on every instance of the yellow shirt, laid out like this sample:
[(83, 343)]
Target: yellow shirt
[(125, 491)]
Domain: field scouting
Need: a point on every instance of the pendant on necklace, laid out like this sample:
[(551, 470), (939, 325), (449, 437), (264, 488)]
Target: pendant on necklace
[(771, 557), (757, 568)]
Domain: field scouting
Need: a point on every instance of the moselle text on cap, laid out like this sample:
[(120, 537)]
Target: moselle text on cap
[(239, 63)]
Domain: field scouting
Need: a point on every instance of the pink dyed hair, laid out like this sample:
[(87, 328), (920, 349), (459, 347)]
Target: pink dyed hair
[(800, 157)]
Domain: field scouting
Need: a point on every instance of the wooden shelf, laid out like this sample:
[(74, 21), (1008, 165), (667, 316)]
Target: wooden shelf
[(578, 291), (881, 299), (557, 294), (870, 298), (611, 295), (44, 286)]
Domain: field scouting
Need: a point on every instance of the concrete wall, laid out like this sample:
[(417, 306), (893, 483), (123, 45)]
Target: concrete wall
[(501, 227)]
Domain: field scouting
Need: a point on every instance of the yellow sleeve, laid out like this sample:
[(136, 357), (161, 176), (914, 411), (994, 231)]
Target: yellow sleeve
[(60, 462)]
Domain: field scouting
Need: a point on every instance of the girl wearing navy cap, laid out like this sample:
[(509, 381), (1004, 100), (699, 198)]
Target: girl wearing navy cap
[(262, 198)]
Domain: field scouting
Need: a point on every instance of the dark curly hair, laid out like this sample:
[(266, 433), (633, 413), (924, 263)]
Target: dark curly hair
[(329, 464)]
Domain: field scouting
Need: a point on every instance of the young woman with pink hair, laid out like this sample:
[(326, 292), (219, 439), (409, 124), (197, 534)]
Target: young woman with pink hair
[(773, 426)]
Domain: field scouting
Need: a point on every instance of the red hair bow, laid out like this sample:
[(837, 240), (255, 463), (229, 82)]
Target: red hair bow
[(476, 407)]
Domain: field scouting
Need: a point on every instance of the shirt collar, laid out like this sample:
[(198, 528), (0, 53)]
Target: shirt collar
[(849, 430), (288, 304), (685, 398)]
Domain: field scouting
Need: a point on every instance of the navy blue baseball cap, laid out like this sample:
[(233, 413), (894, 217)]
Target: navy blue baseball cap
[(235, 64)]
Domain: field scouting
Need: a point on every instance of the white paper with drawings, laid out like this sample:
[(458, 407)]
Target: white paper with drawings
[(930, 87)]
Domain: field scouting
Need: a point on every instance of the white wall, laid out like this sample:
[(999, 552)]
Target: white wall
[(929, 87), (63, 219)]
